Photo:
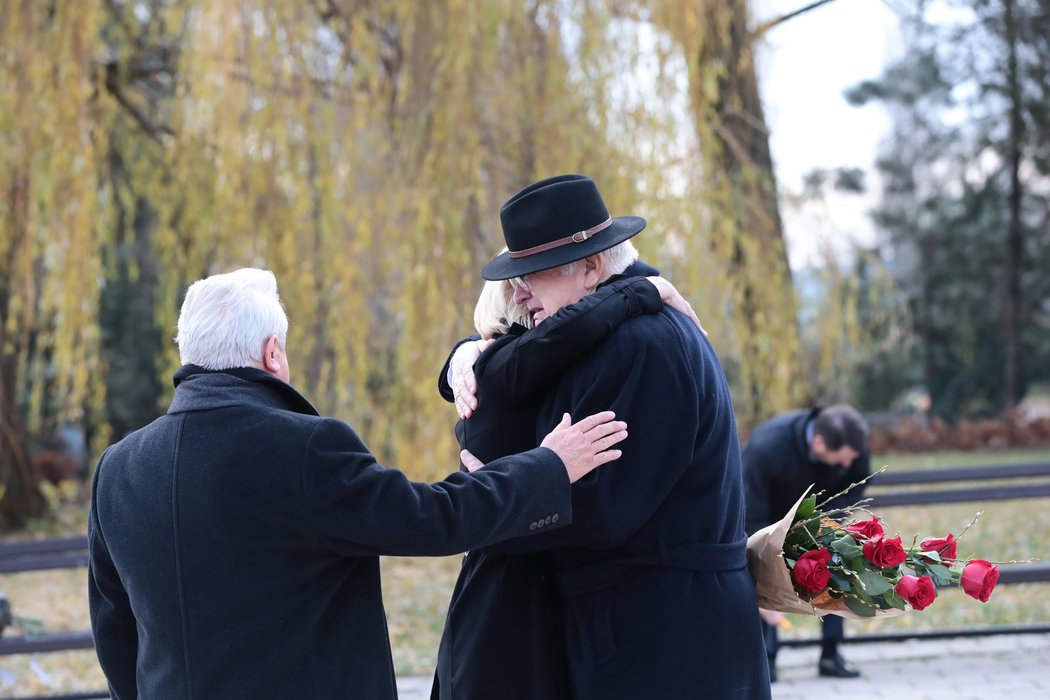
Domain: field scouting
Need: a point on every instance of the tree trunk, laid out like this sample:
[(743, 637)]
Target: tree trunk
[(1014, 241), (21, 498), (926, 329), (735, 144)]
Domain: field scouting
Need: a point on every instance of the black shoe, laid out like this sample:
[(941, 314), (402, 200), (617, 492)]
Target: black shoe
[(836, 667)]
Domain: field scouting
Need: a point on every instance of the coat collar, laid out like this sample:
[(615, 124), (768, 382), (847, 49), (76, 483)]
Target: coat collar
[(635, 269), (199, 389), (800, 429)]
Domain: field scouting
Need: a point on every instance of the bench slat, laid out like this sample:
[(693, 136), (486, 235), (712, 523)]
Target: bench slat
[(58, 544), (42, 563), (56, 641), (924, 634), (932, 476), (985, 493)]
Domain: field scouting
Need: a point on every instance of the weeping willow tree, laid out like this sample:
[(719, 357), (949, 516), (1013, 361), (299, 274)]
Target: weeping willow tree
[(49, 221), (361, 150), (738, 208)]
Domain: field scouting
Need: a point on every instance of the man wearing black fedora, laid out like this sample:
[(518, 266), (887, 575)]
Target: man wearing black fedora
[(655, 595)]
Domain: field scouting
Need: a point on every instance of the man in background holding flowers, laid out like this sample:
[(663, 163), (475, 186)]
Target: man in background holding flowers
[(823, 446)]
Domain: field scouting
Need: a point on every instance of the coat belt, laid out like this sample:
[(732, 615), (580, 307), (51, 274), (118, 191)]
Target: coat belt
[(692, 556)]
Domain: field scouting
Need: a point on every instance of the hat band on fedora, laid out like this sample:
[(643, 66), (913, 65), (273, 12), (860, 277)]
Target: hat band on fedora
[(578, 237)]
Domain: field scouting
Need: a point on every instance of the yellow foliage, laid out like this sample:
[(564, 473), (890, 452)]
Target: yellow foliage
[(362, 154)]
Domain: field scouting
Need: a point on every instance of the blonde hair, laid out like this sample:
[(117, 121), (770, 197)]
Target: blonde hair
[(496, 310)]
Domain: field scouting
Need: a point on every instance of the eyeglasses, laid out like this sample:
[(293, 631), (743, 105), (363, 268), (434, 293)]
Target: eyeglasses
[(522, 283)]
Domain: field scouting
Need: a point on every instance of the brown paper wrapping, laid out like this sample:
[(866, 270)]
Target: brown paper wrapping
[(773, 586)]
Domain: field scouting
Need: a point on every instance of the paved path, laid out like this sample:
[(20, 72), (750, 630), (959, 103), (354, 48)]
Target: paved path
[(1013, 667), (973, 668)]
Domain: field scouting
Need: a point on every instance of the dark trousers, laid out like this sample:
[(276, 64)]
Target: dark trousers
[(831, 633)]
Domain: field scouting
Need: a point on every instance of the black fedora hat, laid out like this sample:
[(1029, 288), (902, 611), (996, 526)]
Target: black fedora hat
[(556, 221)]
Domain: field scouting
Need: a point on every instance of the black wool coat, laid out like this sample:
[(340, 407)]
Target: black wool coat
[(778, 468), (502, 636), (235, 542), (656, 596)]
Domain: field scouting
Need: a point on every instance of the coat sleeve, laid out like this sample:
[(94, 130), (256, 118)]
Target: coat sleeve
[(758, 477), (361, 508), (112, 621), (638, 379), (554, 345), (524, 369)]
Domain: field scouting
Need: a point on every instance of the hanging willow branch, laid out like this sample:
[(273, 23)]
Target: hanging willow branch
[(761, 30)]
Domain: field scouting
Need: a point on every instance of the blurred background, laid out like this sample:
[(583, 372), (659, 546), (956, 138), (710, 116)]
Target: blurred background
[(361, 150), (854, 194)]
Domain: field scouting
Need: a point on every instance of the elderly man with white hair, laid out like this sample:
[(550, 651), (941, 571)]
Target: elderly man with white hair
[(235, 541)]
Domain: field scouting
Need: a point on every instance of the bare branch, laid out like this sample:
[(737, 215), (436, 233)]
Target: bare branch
[(155, 131), (759, 32), (122, 21)]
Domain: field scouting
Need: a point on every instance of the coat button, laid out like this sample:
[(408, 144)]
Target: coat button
[(533, 526), (554, 518), (547, 521)]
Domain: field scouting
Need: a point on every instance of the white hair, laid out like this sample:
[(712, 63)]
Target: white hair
[(617, 259), (496, 309), (226, 319)]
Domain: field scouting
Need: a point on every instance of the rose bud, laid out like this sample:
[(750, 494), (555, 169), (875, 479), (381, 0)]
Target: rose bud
[(979, 578), (945, 546), (884, 553), (811, 570), (865, 529), (917, 590)]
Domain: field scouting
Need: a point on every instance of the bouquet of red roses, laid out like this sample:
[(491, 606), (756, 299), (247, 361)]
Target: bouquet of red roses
[(810, 563)]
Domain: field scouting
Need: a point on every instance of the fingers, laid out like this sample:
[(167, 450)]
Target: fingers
[(464, 384), (590, 422), (471, 462), (605, 429), (604, 442), (463, 408)]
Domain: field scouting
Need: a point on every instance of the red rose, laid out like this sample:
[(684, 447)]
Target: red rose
[(811, 570), (884, 553), (917, 590), (945, 546), (865, 529), (979, 578)]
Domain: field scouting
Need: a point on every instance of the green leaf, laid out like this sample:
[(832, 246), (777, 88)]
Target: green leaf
[(859, 564), (874, 583), (847, 547), (941, 575), (861, 608), (894, 601), (930, 556), (806, 509), (840, 581)]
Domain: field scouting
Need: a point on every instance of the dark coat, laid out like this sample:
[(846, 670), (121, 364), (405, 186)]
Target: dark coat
[(657, 598), (235, 542), (505, 609), (778, 467)]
